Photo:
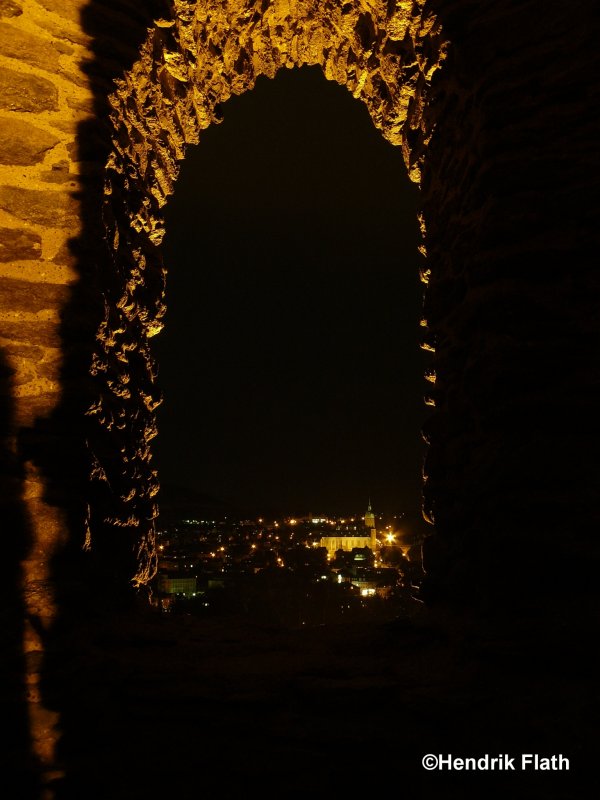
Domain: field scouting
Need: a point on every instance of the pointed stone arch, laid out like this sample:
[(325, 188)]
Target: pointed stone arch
[(384, 53)]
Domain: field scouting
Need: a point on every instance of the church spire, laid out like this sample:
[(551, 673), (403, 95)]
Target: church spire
[(369, 517), (370, 525)]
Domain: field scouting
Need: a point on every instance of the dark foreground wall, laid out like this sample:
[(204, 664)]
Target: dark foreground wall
[(509, 207), (504, 137), (511, 203)]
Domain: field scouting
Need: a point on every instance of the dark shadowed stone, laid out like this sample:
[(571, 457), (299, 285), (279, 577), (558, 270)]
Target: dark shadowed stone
[(33, 406), (50, 369), (55, 209), (19, 92), (17, 43), (88, 148), (57, 176), (16, 244), (34, 662), (59, 173), (21, 350), (23, 143), (26, 296), (10, 8), (25, 376), (44, 333), (65, 256)]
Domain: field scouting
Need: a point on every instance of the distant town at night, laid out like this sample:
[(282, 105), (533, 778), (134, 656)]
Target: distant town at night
[(291, 571)]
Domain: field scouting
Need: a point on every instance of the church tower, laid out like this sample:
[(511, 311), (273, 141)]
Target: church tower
[(370, 525)]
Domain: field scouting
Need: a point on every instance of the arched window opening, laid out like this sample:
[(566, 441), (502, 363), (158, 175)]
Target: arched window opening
[(290, 360)]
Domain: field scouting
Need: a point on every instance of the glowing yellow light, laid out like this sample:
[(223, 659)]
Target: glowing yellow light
[(293, 522), (390, 538)]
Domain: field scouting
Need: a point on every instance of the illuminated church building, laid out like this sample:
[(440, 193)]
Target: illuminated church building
[(348, 536)]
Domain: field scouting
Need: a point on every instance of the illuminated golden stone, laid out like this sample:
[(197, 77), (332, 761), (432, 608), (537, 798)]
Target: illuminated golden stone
[(187, 68)]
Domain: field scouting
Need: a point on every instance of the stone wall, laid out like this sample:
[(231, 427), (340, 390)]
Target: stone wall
[(98, 101), (58, 59), (44, 94), (104, 83), (495, 110), (510, 194), (190, 65)]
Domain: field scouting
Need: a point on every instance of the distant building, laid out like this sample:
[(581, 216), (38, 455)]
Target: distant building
[(378, 582), (177, 584), (350, 536)]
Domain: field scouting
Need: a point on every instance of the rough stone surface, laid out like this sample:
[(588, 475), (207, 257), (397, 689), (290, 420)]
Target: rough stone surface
[(23, 143), (494, 108), (31, 49), (463, 115), (16, 244), (59, 173), (40, 332), (31, 297), (506, 196), (10, 8), (491, 109), (23, 92), (69, 9), (53, 209), (190, 65)]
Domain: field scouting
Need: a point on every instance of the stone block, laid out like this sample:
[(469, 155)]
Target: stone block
[(30, 407), (31, 297), (10, 8), (17, 245), (54, 209), (85, 104), (18, 43), (23, 143), (21, 350), (65, 255), (59, 173), (21, 92), (67, 9), (43, 333), (50, 369)]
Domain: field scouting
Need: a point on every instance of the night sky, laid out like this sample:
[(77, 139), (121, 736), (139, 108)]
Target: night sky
[(289, 362)]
